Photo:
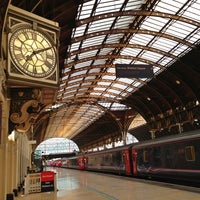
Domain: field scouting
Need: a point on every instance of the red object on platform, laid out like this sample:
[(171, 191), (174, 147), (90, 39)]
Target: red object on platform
[(47, 176)]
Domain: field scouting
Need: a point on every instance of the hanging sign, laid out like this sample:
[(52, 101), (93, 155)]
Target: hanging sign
[(133, 71)]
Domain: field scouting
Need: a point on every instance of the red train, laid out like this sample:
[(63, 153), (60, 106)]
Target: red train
[(56, 163), (174, 157), (76, 162)]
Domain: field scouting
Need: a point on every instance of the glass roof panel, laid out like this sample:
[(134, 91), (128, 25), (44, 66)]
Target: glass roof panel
[(180, 29), (165, 61), (164, 44), (131, 51), (108, 77), (113, 91), (111, 70), (113, 38), (141, 39), (67, 69), (109, 95), (90, 77), (124, 94), (96, 93), (86, 9), (100, 25), (126, 80), (70, 87), (101, 89), (179, 49), (68, 97), (151, 56), (136, 83), (94, 70), (83, 64), (103, 83), (99, 61), (75, 46), (123, 22), (134, 4), (114, 106), (105, 51), (167, 7), (87, 54), (192, 11), (62, 84), (86, 84), (83, 89), (75, 80), (80, 30), (195, 37), (93, 41), (108, 6), (154, 23), (64, 78), (78, 73), (69, 92), (120, 61), (119, 86)]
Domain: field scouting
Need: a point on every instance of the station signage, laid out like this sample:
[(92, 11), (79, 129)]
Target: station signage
[(134, 71), (47, 181), (40, 182)]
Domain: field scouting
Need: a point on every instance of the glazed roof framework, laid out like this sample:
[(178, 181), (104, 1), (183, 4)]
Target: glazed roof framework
[(110, 32), (97, 34)]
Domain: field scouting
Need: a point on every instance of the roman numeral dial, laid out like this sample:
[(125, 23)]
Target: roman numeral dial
[(33, 52)]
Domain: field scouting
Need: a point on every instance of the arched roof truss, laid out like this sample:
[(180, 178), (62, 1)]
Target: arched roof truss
[(97, 34), (130, 33)]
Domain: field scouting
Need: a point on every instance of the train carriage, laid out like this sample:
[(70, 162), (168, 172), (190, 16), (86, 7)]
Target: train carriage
[(175, 157), (76, 162), (117, 160)]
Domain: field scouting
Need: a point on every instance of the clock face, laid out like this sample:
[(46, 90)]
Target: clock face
[(33, 52)]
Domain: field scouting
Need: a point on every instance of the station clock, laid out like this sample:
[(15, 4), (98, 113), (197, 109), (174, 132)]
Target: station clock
[(33, 52), (32, 49)]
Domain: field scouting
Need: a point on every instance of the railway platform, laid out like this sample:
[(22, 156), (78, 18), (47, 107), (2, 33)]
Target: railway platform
[(76, 185)]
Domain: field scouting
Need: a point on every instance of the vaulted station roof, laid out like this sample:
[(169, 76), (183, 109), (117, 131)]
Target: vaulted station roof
[(97, 34)]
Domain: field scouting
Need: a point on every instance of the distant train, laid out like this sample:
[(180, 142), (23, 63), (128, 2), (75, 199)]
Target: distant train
[(175, 157)]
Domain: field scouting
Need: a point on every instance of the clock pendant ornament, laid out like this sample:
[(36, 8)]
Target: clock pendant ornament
[(32, 49)]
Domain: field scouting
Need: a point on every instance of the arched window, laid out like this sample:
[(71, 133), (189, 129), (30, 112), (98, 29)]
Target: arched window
[(57, 145)]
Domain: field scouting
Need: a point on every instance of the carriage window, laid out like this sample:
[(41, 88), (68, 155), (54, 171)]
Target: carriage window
[(190, 153), (145, 156)]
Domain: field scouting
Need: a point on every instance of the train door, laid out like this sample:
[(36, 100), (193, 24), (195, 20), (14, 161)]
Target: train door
[(85, 161), (82, 162), (127, 162), (134, 161)]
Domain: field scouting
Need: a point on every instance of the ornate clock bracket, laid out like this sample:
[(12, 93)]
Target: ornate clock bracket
[(29, 112)]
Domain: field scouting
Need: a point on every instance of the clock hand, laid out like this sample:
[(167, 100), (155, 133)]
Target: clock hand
[(41, 50), (28, 57)]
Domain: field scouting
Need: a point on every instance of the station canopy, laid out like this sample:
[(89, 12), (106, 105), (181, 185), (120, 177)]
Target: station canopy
[(118, 32), (95, 35)]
